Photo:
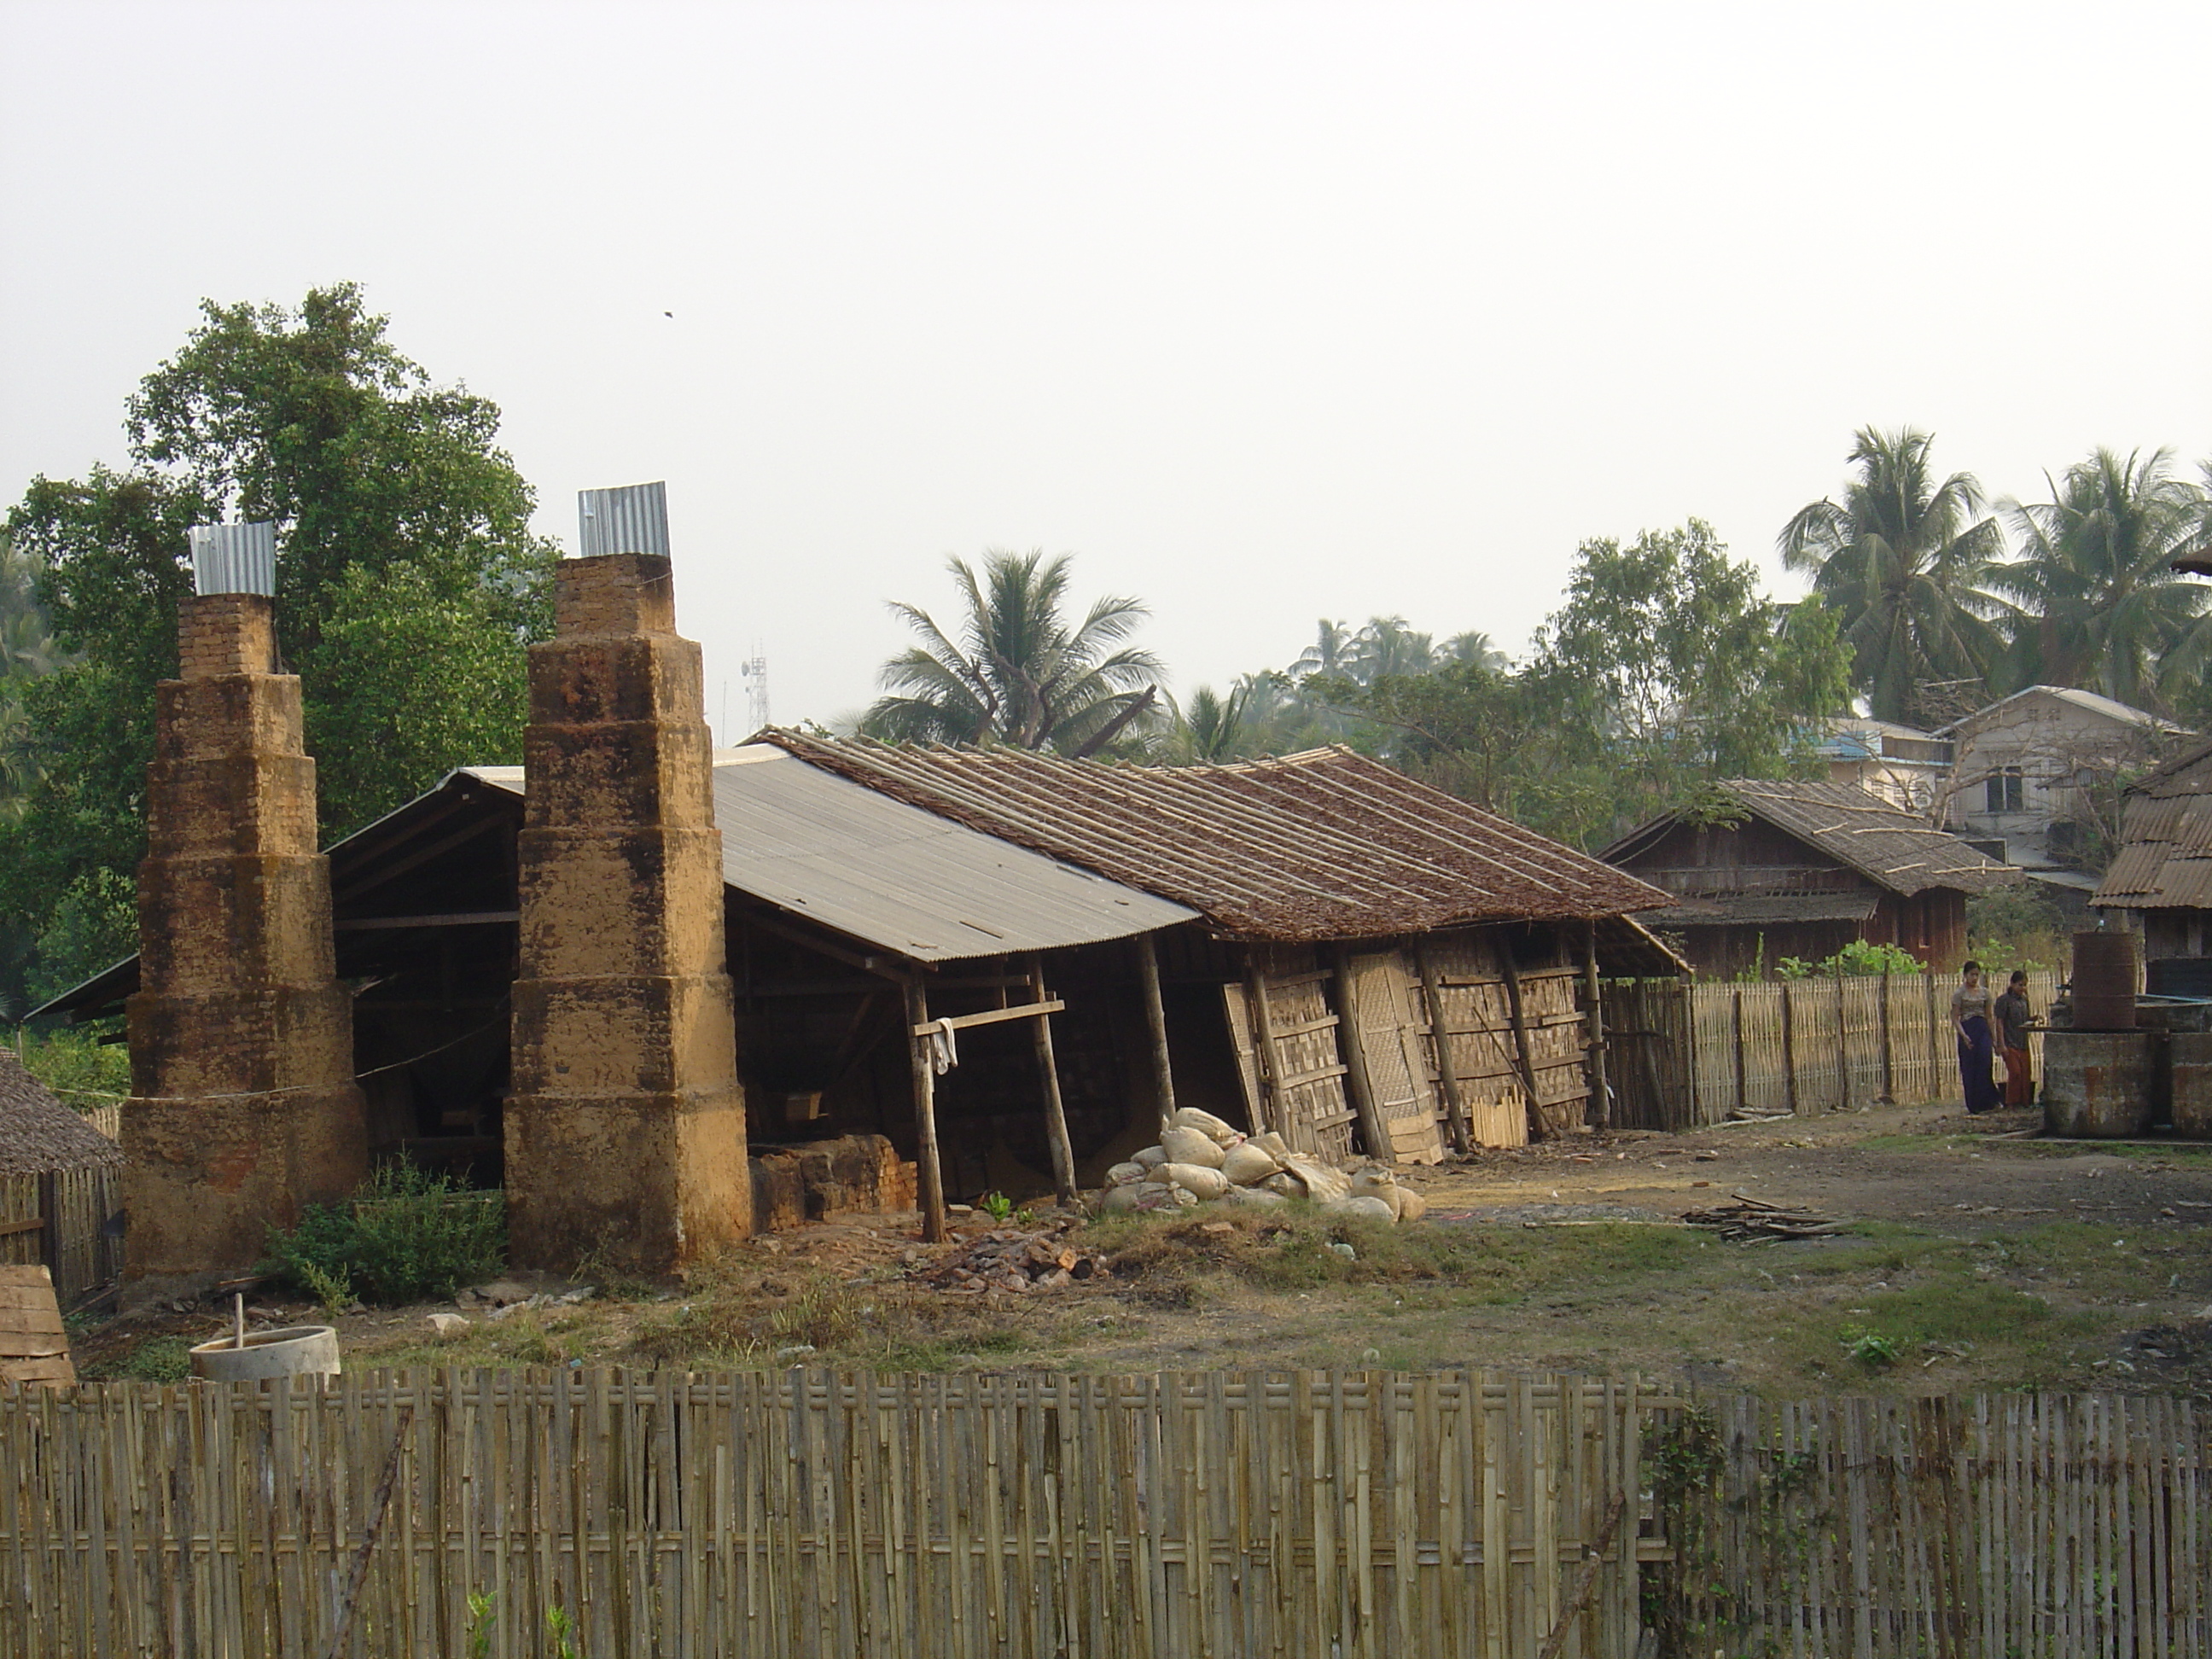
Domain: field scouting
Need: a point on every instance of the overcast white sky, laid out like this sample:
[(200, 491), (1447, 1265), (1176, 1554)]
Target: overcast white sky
[(1266, 312)]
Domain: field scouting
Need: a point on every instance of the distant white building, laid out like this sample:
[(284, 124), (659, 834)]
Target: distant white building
[(1899, 764), (2036, 778)]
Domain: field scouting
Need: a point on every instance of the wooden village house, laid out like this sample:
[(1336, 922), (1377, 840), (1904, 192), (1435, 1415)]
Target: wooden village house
[(1275, 941), (2159, 884), (1802, 870)]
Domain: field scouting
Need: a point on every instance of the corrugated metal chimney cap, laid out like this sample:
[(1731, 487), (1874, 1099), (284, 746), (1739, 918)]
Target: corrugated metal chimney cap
[(234, 558), (631, 520)]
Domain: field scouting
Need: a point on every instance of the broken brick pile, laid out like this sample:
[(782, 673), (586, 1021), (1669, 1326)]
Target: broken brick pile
[(1010, 1259)]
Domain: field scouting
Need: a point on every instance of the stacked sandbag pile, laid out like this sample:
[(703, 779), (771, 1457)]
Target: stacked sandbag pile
[(1202, 1160)]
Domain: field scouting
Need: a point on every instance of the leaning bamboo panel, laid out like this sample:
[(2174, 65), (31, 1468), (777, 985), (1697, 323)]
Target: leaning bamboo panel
[(813, 1514), (2044, 1525)]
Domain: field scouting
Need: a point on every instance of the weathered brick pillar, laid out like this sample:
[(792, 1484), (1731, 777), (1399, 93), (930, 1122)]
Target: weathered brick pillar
[(626, 1130), (244, 1107)]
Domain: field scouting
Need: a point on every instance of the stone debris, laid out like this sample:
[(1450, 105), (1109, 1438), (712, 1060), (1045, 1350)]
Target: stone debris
[(1200, 1159), (444, 1326), (1753, 1218), (1012, 1259)]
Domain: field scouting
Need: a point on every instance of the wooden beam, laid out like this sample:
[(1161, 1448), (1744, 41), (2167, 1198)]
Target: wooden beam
[(1156, 1023), (1523, 1054), (877, 965), (50, 1218), (1055, 1112), (990, 1017), (1447, 1071), (1599, 1092), (455, 919), (924, 1116), (1374, 1128), (1270, 1061)]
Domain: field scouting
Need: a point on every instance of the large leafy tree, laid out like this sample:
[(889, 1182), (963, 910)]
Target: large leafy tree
[(2101, 607), (1016, 669), (1664, 670), (408, 585), (1903, 559), (1669, 664)]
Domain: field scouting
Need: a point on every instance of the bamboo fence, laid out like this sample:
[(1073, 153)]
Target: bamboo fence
[(2030, 1527), (1699, 1053), (813, 1513)]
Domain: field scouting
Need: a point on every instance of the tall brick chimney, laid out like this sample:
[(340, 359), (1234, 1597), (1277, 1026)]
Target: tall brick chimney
[(243, 1104), (626, 1130)]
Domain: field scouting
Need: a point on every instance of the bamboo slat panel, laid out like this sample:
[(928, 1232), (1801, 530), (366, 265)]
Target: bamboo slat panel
[(1394, 1038), (817, 1513), (2042, 1526), (90, 1253)]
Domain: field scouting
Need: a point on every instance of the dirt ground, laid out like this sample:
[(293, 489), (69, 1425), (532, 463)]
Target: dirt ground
[(1971, 1257)]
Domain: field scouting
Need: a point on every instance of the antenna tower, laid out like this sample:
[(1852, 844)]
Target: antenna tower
[(754, 670)]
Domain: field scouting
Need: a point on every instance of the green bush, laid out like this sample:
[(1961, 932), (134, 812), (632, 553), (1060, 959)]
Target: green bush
[(82, 1071), (405, 1236)]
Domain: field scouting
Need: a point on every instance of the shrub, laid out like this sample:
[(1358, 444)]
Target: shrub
[(405, 1236)]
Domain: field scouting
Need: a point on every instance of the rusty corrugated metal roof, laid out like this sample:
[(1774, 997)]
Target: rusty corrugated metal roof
[(2165, 860), (1327, 844)]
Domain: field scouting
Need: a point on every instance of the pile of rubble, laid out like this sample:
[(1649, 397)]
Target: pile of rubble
[(1200, 1159), (1751, 1219), (1010, 1259)]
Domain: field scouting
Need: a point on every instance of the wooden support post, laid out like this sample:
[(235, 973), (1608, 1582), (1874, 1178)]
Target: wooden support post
[(1055, 1114), (1600, 1094), (1374, 1128), (1538, 1120), (49, 1229), (1742, 1083), (1156, 1022), (1272, 1071), (1888, 1047), (1843, 1051), (924, 1115), (1432, 994), (1788, 1052)]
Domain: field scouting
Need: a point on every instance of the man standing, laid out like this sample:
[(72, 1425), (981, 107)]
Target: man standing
[(2015, 1019)]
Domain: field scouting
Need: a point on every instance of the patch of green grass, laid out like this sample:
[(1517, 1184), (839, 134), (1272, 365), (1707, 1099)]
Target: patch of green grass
[(157, 1359)]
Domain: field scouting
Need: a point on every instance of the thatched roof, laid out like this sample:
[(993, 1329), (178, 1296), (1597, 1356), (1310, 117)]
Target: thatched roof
[(1323, 845), (38, 1135), (1888, 846)]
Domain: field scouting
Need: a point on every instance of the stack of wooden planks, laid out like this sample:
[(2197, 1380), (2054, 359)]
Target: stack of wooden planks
[(33, 1344)]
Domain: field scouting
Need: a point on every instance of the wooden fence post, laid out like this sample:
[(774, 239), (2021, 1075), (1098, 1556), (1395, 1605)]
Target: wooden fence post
[(1788, 1051), (1742, 1083), (1842, 1050), (1888, 1047)]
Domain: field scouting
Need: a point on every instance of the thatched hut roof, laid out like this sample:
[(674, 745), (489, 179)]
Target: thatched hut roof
[(38, 1135)]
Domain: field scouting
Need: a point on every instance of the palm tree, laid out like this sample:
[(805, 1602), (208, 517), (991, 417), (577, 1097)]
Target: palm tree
[(1331, 652), (1212, 726), (1474, 649), (1019, 674), (1387, 646), (2103, 608), (1902, 560)]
